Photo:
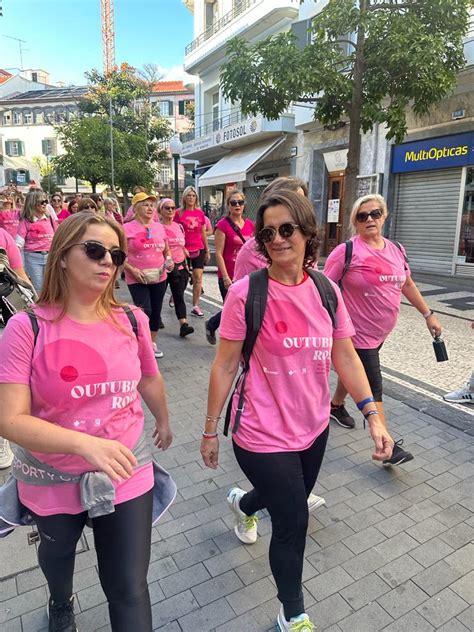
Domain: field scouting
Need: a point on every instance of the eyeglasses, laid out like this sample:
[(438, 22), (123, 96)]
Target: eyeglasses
[(169, 208), (285, 231), (89, 207), (96, 251), (44, 202), (375, 214), (237, 202)]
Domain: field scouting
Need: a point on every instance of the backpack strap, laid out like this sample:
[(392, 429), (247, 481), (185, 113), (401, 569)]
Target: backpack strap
[(132, 318), (34, 324), (347, 259), (327, 294), (255, 306), (399, 246), (235, 228)]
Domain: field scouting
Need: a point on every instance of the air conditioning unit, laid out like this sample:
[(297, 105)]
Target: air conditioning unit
[(458, 114)]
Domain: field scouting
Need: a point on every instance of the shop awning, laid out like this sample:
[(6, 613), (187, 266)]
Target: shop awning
[(234, 166)]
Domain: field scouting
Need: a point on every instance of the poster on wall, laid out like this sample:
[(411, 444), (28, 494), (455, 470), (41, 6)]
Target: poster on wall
[(333, 211)]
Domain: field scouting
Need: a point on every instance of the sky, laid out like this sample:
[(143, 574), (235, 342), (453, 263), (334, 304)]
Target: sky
[(64, 37)]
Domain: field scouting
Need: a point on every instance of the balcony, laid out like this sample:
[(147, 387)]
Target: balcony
[(249, 18), (214, 139)]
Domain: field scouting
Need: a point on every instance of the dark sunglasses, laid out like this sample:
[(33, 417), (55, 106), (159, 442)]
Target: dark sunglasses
[(169, 208), (96, 251), (89, 207), (44, 202), (268, 233), (236, 202), (375, 214)]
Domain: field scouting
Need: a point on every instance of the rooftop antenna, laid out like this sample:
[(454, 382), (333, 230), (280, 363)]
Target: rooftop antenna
[(20, 42)]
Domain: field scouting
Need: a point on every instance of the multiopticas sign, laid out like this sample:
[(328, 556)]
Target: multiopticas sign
[(434, 153)]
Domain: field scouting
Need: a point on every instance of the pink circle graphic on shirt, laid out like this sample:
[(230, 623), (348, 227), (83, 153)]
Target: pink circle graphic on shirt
[(375, 271), (281, 327), (286, 330), (69, 373)]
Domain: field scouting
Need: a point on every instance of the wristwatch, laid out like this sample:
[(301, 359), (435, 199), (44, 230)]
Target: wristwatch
[(428, 314)]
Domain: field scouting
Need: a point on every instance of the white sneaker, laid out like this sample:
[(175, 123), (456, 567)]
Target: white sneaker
[(464, 395), (6, 454), (245, 526), (157, 352), (301, 623), (314, 502)]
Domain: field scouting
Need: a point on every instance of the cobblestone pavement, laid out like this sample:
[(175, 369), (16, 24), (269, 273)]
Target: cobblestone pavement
[(392, 549)]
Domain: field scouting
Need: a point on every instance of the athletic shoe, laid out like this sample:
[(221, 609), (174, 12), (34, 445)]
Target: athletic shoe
[(197, 311), (301, 623), (340, 414), (245, 526), (464, 395), (399, 455), (185, 329), (210, 335), (161, 325), (157, 352), (6, 454), (171, 302), (61, 616), (314, 502)]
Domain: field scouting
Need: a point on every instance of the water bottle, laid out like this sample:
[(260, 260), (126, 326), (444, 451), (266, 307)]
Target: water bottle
[(440, 349)]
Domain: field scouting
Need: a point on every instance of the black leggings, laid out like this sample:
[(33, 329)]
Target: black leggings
[(371, 360), (177, 281), (282, 482), (150, 299), (122, 541), (215, 321)]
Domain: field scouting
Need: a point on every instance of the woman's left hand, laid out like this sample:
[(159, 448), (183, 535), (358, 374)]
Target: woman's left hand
[(382, 440), (162, 435), (433, 325)]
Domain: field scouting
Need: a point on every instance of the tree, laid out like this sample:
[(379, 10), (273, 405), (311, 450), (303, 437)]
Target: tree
[(367, 62), (48, 172)]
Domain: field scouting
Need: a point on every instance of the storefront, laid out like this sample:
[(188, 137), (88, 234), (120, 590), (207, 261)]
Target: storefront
[(433, 210)]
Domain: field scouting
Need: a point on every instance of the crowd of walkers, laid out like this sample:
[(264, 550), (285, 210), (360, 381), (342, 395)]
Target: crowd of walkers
[(78, 363)]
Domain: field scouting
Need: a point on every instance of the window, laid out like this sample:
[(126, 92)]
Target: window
[(27, 118), (165, 108), (16, 118), (165, 174), (466, 236), (215, 111), (210, 15), (39, 117), (14, 148), (7, 119), (48, 147), (34, 76)]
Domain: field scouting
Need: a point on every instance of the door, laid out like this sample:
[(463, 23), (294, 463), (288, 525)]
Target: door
[(334, 211)]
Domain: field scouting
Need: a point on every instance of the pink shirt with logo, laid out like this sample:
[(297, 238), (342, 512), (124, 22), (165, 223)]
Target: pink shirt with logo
[(175, 235), (192, 221), (64, 214), (248, 259), (37, 234), (372, 288), (13, 253), (145, 248), (233, 244), (79, 381), (287, 396), (9, 221)]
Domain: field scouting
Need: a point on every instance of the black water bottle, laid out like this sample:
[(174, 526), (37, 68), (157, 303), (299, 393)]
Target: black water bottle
[(440, 349)]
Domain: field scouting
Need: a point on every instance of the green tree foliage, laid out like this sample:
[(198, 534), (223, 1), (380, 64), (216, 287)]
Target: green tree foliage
[(367, 62)]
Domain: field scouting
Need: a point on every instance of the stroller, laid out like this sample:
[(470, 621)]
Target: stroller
[(16, 294)]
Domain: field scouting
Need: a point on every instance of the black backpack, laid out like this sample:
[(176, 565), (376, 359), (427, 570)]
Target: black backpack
[(255, 306), (348, 257), (16, 294)]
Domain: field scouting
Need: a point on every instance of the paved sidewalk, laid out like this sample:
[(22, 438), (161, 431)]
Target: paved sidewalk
[(391, 550)]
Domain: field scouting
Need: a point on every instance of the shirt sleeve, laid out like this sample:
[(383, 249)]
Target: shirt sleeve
[(335, 263), (146, 355), (16, 350), (233, 326), (21, 234), (345, 328), (13, 252)]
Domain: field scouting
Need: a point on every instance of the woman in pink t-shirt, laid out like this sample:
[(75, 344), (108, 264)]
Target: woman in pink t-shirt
[(373, 283), (9, 218), (284, 419), (57, 202), (70, 396), (193, 221), (231, 233), (149, 259), (72, 208)]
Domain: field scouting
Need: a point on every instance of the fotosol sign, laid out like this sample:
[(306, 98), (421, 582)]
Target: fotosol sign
[(238, 131)]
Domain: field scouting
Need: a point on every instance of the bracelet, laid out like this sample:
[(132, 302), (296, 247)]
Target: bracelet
[(213, 418), (367, 400), (209, 435), (371, 412), (428, 314)]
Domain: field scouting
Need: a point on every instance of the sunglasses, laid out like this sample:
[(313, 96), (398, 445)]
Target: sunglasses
[(96, 251), (148, 232), (169, 208), (375, 214), (89, 207), (44, 202), (285, 231), (236, 202)]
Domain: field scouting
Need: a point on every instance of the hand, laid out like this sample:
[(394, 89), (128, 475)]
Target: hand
[(207, 258), (433, 325), (382, 440), (162, 435), (210, 452), (169, 264), (110, 457), (227, 282), (138, 274)]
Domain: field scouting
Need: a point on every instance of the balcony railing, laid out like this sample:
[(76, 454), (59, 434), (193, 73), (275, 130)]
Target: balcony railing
[(214, 126), (239, 7)]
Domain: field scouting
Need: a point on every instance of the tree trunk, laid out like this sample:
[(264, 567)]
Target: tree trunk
[(94, 187), (353, 154)]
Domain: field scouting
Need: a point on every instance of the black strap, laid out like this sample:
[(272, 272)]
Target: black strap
[(235, 228), (399, 246), (347, 260), (132, 318), (327, 294)]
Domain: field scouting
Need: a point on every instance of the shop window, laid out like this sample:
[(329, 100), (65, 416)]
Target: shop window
[(466, 235)]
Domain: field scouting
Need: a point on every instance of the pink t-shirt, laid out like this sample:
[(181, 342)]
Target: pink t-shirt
[(64, 214), (372, 288), (287, 394), (233, 244), (9, 221), (145, 247), (192, 221), (175, 235), (248, 260), (13, 253), (38, 234), (130, 213), (79, 381)]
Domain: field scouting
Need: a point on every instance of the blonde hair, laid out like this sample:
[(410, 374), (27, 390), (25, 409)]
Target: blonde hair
[(186, 191), (33, 198), (372, 197), (69, 233)]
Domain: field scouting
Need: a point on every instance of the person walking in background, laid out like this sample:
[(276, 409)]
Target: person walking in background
[(57, 202), (231, 233), (9, 217), (88, 204), (192, 219), (112, 210), (465, 394), (372, 283)]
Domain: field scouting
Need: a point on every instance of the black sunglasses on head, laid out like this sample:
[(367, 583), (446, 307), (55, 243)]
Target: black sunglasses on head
[(268, 233), (96, 251), (375, 214)]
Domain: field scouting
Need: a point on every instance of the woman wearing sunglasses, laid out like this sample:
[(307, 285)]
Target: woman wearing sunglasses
[(73, 404), (373, 283), (88, 204), (231, 233), (35, 234), (284, 424), (9, 217), (149, 260), (178, 277)]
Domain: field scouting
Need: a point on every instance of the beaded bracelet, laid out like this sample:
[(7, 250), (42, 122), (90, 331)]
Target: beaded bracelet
[(209, 435)]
